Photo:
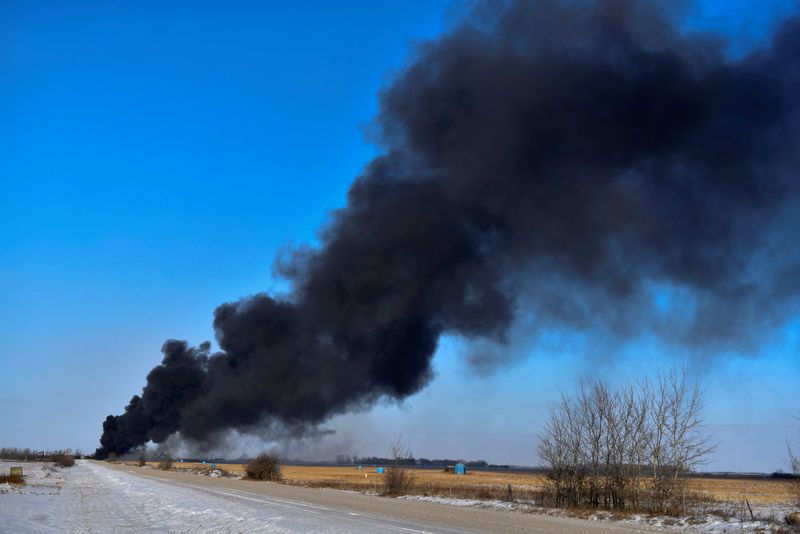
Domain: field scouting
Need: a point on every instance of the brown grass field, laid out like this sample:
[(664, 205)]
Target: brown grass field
[(494, 484)]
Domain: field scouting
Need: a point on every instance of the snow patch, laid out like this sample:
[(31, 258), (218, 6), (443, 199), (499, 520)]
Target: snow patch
[(768, 518), (491, 505)]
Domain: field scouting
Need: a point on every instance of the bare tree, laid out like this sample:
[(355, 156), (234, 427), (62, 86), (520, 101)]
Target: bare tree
[(678, 440), (794, 464), (563, 448), (625, 447), (553, 452), (594, 414), (689, 443)]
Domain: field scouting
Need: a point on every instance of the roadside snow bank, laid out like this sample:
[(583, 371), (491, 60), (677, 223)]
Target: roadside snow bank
[(768, 518), (520, 506)]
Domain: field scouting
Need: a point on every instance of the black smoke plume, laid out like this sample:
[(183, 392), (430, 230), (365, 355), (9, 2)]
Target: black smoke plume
[(557, 159)]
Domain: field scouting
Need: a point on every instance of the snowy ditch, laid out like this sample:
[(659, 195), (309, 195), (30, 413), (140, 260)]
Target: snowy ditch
[(768, 518)]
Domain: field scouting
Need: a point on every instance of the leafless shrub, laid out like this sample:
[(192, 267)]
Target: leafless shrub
[(399, 478), (112, 457), (625, 448), (12, 479), (62, 459), (264, 467), (166, 462), (142, 462), (793, 519)]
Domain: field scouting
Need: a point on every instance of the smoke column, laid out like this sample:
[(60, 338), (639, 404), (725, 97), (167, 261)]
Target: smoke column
[(558, 159)]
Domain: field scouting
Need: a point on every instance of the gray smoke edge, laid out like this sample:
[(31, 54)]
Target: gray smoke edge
[(583, 165)]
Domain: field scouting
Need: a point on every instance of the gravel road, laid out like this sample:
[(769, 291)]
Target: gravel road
[(296, 509)]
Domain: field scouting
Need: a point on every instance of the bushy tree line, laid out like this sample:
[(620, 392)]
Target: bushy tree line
[(62, 457), (24, 455), (410, 461), (625, 447)]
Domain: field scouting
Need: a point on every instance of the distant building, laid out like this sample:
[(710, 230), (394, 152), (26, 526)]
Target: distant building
[(460, 469)]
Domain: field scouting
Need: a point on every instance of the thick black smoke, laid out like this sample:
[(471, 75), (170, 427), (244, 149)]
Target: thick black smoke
[(561, 158)]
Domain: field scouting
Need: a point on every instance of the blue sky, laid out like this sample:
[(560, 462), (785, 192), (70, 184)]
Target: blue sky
[(153, 162)]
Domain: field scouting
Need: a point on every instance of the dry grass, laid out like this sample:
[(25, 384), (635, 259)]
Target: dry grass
[(495, 484), (757, 491), (398, 480), (12, 479), (474, 485), (165, 464), (64, 460)]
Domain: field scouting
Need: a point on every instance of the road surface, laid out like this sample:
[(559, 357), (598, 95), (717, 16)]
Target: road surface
[(101, 497)]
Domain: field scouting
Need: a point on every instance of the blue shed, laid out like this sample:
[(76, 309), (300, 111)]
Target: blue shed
[(379, 470), (460, 469)]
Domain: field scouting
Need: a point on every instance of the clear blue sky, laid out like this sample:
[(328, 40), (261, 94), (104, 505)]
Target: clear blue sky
[(155, 157)]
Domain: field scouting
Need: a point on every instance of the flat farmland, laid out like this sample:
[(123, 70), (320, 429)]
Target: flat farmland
[(756, 490), (494, 484)]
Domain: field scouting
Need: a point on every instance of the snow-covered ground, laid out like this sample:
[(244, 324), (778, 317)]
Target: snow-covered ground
[(478, 503), (92, 498), (41, 479), (767, 519)]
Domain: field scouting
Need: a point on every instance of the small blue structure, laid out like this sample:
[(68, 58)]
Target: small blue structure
[(379, 470), (460, 469)]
